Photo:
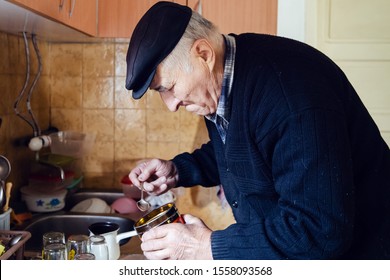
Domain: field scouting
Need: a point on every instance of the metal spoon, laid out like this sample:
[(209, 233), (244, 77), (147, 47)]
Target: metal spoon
[(13, 241), (2, 195), (142, 204)]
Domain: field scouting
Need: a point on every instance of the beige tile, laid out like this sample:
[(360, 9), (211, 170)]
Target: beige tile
[(100, 122), (154, 101), (40, 97), (130, 125), (66, 92), (66, 60), (17, 57), (164, 150), (98, 92), (127, 154), (67, 119), (101, 158), (162, 126), (120, 59), (190, 124), (123, 98), (98, 180), (5, 88), (4, 56), (98, 60)]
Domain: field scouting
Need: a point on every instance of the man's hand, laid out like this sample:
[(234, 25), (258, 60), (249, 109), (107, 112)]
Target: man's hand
[(190, 241)]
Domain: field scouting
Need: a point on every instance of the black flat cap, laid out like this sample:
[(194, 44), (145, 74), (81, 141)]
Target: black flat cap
[(153, 39)]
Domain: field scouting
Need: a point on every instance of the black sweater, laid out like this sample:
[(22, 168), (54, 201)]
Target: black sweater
[(304, 166)]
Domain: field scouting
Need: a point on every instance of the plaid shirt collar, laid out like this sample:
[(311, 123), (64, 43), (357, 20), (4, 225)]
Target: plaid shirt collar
[(222, 116)]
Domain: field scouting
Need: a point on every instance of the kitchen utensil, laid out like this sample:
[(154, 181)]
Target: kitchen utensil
[(110, 233), (2, 195), (5, 168), (71, 143), (8, 188), (13, 241), (165, 214), (142, 204)]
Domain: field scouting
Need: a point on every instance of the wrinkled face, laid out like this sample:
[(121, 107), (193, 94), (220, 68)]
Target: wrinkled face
[(197, 90)]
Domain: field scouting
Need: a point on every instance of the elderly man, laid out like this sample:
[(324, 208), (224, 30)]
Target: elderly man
[(301, 161)]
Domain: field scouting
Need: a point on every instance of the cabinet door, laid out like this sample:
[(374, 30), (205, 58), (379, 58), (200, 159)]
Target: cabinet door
[(81, 15), (78, 14), (240, 16), (118, 18), (47, 8)]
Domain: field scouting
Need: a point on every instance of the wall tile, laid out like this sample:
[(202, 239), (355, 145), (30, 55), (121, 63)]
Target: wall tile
[(66, 93), (100, 122), (98, 60), (120, 59), (123, 98), (130, 125), (161, 149), (66, 60), (67, 119), (162, 126), (98, 93)]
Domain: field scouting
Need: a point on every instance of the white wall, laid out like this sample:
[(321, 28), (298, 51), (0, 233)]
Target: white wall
[(356, 35)]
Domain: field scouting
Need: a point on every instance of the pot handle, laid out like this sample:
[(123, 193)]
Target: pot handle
[(126, 234)]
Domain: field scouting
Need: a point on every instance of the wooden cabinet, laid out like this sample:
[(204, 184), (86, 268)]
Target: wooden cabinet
[(118, 18), (78, 14), (240, 16)]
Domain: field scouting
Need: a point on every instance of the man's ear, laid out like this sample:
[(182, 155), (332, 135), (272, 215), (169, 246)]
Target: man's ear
[(202, 49)]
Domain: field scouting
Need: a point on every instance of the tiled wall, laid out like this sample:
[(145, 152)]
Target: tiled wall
[(82, 89)]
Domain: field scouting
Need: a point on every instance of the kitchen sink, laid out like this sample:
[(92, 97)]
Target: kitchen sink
[(69, 224), (74, 222)]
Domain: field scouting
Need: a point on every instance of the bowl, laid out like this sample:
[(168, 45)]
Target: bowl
[(71, 143), (92, 205), (39, 201), (125, 205)]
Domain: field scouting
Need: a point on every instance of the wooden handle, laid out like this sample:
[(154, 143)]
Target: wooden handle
[(8, 188)]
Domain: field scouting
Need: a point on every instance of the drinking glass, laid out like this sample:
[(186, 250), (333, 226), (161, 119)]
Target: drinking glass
[(77, 244), (51, 238), (84, 256), (54, 251), (98, 247)]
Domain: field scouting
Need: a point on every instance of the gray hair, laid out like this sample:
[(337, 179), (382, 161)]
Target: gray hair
[(198, 28)]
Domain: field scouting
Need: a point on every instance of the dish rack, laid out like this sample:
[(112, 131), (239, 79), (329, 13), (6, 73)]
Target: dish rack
[(15, 252)]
